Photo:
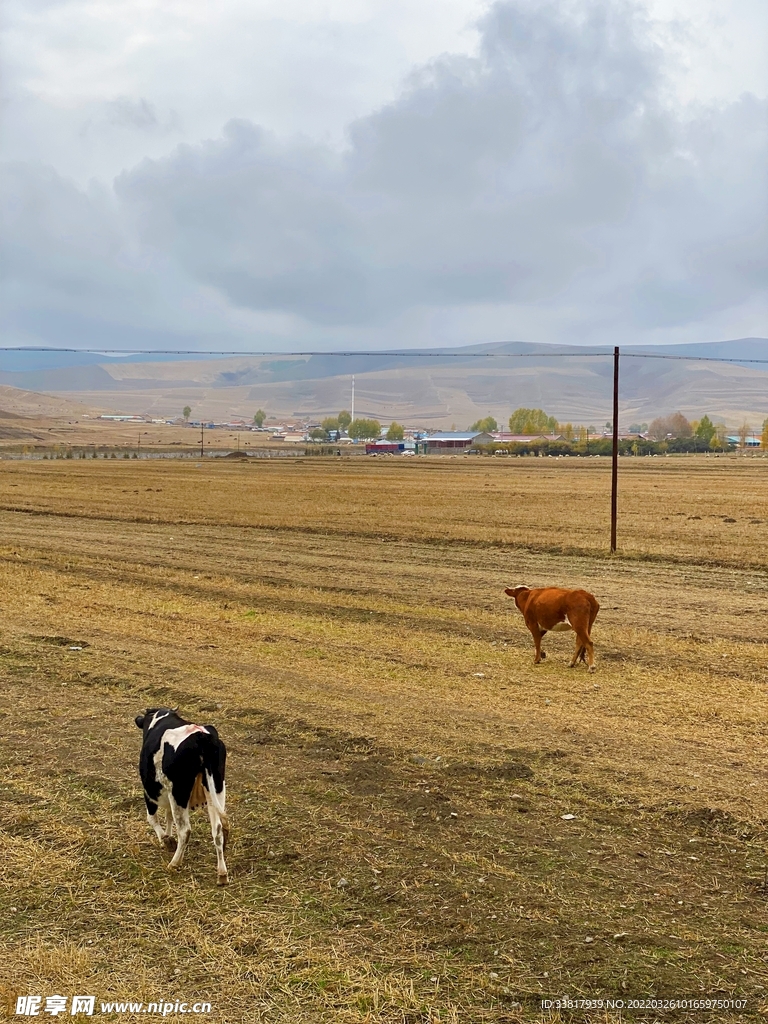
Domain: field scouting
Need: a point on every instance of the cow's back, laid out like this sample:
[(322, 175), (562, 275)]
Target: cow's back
[(547, 605), (551, 605)]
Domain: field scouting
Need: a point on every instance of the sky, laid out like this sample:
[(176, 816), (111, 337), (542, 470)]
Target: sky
[(255, 174)]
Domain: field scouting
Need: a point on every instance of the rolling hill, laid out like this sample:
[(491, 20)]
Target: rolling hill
[(434, 388)]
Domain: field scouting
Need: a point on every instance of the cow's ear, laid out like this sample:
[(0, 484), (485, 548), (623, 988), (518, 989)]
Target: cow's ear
[(509, 592), (139, 720)]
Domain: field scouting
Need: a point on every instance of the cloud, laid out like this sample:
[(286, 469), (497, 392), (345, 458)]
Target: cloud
[(288, 65), (544, 189), (125, 112)]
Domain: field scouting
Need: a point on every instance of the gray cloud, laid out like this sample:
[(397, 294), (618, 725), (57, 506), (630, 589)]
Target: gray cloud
[(545, 189), (125, 112)]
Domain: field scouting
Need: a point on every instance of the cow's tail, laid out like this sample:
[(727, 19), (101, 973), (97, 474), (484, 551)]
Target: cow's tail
[(214, 764), (214, 756), (594, 609)]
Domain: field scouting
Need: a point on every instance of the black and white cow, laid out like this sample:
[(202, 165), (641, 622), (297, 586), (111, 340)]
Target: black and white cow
[(182, 767)]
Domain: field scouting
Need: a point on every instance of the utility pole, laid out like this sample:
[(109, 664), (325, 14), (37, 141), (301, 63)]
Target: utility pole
[(202, 434), (353, 398), (615, 459)]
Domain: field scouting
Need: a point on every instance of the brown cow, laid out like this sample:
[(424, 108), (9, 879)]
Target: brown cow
[(556, 609)]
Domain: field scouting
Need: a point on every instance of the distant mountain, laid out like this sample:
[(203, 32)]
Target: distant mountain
[(734, 351), (431, 387)]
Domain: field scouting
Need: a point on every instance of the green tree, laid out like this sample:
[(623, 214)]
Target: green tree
[(764, 436), (395, 432), (344, 419), (318, 434), (531, 421), (487, 425), (362, 428), (186, 412), (330, 424), (744, 431), (717, 441), (705, 429), (259, 417)]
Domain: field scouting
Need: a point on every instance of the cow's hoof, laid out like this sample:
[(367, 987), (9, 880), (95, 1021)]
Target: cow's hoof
[(543, 655), (592, 668), (170, 844), (222, 880)]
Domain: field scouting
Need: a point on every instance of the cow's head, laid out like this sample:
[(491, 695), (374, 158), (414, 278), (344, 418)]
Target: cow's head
[(152, 715), (520, 594)]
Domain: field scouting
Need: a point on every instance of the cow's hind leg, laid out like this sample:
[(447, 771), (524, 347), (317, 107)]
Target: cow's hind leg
[(183, 831), (219, 830), (578, 654), (583, 648)]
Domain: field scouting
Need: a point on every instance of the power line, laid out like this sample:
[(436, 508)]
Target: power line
[(696, 359), (380, 354)]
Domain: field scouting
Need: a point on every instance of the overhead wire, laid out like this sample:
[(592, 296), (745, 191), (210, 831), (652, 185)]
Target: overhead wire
[(351, 353)]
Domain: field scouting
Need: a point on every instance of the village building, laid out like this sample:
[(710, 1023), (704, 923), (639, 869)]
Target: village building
[(456, 441), (504, 437)]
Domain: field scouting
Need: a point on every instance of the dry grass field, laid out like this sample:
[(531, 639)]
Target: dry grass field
[(399, 770), (36, 434)]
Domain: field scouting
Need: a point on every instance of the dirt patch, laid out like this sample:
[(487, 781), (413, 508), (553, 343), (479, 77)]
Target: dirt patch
[(62, 641), (712, 820), (506, 771)]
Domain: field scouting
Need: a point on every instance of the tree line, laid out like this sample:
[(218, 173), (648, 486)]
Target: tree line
[(604, 446), (359, 428), (675, 431)]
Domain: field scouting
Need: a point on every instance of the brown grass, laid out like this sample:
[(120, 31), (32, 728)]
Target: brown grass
[(690, 508), (22, 434), (344, 626)]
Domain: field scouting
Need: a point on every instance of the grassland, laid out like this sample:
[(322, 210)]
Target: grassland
[(398, 768), (55, 434)]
